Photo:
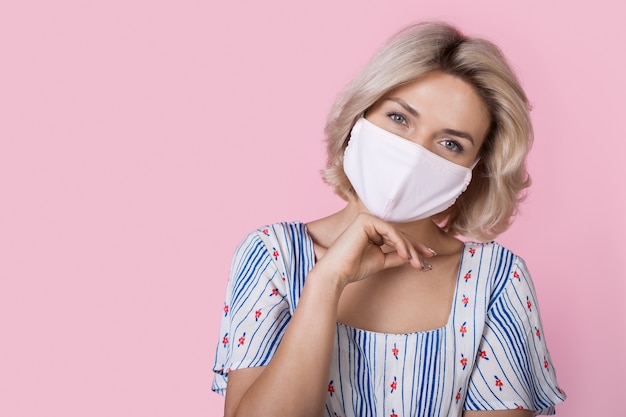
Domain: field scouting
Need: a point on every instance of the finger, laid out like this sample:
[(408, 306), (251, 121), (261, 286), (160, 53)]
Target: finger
[(426, 266), (382, 233), (407, 252), (416, 251), (424, 250), (393, 259), (417, 261), (406, 248), (376, 239)]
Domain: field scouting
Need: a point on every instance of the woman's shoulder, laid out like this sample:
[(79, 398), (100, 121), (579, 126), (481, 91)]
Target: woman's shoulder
[(279, 232), (270, 237), (496, 264), (491, 248), (282, 241)]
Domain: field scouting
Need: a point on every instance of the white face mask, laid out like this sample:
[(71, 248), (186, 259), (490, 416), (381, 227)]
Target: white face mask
[(399, 180)]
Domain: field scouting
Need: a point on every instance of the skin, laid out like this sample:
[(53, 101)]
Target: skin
[(363, 263)]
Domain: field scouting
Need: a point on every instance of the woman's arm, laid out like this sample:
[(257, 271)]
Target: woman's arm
[(295, 382)]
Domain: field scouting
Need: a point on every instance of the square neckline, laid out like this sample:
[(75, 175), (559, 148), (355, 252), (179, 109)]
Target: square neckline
[(446, 326)]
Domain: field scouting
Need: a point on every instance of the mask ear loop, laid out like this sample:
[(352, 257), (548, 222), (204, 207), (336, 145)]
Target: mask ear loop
[(476, 161)]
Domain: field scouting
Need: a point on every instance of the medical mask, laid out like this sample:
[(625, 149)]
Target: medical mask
[(399, 180)]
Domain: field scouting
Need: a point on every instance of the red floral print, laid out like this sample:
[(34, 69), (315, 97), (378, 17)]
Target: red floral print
[(242, 339), (499, 383), (463, 329)]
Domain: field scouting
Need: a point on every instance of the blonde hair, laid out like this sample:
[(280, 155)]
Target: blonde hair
[(488, 205)]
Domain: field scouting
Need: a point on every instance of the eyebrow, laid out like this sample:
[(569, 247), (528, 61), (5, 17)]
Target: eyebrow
[(415, 113), (459, 134), (404, 104)]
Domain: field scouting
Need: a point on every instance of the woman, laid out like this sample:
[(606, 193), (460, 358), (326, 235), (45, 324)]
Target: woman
[(395, 315)]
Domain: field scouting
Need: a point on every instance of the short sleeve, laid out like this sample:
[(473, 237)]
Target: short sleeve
[(513, 369), (255, 312)]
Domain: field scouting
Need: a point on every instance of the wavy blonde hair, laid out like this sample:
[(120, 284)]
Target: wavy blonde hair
[(487, 207)]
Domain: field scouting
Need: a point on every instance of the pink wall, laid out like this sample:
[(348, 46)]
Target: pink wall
[(140, 141)]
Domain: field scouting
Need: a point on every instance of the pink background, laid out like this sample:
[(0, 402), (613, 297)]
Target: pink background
[(141, 140)]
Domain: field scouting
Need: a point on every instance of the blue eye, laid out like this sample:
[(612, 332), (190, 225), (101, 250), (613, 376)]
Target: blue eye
[(452, 145), (397, 118)]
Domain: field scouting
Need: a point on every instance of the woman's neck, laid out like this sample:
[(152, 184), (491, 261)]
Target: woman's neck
[(326, 230)]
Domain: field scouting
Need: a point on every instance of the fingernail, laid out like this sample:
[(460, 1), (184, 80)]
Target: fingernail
[(432, 251), (426, 265)]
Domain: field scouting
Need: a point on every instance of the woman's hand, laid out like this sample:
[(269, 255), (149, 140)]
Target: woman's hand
[(363, 249)]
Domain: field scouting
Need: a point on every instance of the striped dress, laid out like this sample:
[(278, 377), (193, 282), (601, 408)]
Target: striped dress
[(491, 355)]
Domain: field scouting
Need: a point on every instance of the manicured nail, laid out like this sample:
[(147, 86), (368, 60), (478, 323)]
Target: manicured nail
[(426, 265), (432, 251)]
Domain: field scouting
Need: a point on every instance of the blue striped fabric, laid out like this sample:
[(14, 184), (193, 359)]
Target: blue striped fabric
[(491, 354)]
